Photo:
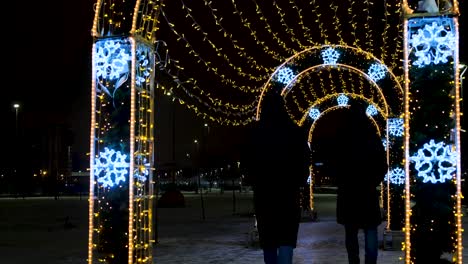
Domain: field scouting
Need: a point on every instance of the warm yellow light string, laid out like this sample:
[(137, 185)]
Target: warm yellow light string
[(352, 15), (207, 64), (273, 33), (407, 229), (253, 33), (336, 23), (219, 51), (367, 29), (386, 29), (323, 32), (305, 30), (287, 29), (92, 147), (97, 12), (396, 62), (240, 51), (459, 194), (233, 111), (215, 104)]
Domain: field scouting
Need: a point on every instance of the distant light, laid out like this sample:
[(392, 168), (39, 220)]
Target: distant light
[(16, 106), (195, 141), (206, 124)]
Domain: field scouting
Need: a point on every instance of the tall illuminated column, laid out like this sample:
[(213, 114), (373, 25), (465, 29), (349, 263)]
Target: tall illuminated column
[(122, 124), (432, 135)]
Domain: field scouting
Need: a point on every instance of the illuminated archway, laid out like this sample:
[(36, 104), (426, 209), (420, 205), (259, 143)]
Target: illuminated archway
[(387, 105)]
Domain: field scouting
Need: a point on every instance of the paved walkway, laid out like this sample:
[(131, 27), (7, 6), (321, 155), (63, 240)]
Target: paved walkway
[(32, 232)]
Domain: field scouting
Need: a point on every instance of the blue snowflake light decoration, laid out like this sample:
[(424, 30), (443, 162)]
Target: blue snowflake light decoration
[(110, 168), (435, 162), (309, 179), (433, 44), (111, 60), (371, 110), (143, 65), (377, 72), (396, 176), (314, 113), (285, 75), (395, 127), (141, 171), (330, 56), (384, 143), (342, 100)]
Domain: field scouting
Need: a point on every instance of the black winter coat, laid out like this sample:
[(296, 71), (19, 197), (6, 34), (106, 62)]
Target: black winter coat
[(359, 165), (277, 164)]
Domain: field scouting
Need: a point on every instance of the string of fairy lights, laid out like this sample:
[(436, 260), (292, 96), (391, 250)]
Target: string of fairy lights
[(284, 30), (220, 60)]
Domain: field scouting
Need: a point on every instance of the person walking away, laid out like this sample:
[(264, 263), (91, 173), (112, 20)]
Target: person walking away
[(359, 164), (277, 164)]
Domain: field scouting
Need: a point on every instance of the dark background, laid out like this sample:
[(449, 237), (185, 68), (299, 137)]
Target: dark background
[(51, 49)]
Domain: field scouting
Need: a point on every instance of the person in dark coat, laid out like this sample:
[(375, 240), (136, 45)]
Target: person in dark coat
[(277, 166), (358, 164)]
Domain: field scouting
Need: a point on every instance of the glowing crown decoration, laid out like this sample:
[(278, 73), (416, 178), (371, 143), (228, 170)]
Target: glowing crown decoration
[(342, 100)]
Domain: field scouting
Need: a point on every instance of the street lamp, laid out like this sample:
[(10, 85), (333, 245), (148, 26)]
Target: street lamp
[(16, 106)]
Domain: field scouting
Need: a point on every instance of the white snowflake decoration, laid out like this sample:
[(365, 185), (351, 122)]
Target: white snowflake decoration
[(395, 127), (377, 72), (110, 167), (433, 44), (342, 100), (330, 56), (371, 110), (384, 143), (111, 60), (141, 171), (396, 176), (285, 75), (435, 162), (143, 66), (314, 113)]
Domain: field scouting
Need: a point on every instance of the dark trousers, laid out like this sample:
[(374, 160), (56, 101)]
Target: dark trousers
[(281, 255), (352, 244)]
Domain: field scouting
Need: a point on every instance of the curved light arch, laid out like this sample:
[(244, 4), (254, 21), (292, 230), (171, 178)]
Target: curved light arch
[(309, 142), (286, 89), (354, 96), (354, 58)]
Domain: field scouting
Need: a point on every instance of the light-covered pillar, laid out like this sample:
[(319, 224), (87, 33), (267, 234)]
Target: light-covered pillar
[(432, 135)]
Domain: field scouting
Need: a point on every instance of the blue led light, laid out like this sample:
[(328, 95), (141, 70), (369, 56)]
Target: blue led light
[(433, 44), (371, 110), (396, 176), (285, 75), (377, 72), (435, 162), (395, 127), (330, 56), (342, 100), (111, 60), (110, 168), (314, 113)]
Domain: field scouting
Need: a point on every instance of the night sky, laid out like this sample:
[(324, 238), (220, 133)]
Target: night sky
[(52, 69)]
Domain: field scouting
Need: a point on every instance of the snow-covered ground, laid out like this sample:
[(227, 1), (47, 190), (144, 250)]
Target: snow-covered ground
[(33, 231)]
